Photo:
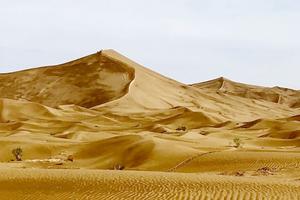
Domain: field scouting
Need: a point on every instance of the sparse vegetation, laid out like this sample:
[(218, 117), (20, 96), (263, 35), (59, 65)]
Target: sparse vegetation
[(265, 171), (119, 167), (239, 173), (18, 153), (70, 158), (181, 128), (237, 142), (235, 173)]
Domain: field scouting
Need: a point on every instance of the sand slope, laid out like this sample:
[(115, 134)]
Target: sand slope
[(86, 82), (108, 112)]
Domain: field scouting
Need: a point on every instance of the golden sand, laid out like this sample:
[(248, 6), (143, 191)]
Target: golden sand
[(172, 140)]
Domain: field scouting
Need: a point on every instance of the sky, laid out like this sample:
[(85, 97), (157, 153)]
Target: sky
[(250, 41)]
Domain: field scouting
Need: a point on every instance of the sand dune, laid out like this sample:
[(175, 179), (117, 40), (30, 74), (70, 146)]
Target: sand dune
[(107, 112), (276, 94)]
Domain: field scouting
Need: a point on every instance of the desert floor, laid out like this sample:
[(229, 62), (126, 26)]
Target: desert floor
[(105, 184)]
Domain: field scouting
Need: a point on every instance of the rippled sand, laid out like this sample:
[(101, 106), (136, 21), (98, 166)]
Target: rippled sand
[(98, 184)]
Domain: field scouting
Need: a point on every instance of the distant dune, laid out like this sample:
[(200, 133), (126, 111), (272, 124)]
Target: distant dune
[(78, 120), (276, 94)]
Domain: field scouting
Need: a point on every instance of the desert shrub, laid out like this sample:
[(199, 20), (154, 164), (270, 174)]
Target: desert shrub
[(265, 171), (239, 173), (18, 153), (119, 167), (70, 158), (234, 173), (181, 128), (237, 142)]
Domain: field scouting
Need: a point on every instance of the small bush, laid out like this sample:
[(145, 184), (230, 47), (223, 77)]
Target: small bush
[(119, 167), (181, 128), (70, 158), (234, 173), (265, 171), (237, 142), (18, 153)]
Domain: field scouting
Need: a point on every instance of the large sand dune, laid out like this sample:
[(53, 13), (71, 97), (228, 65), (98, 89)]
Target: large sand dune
[(107, 112), (276, 94)]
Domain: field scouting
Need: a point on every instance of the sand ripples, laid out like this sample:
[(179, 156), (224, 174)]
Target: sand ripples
[(89, 184)]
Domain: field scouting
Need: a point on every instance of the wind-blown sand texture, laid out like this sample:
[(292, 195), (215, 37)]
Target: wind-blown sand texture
[(172, 140)]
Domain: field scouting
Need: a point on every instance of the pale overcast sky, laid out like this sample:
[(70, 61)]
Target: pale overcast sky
[(251, 41)]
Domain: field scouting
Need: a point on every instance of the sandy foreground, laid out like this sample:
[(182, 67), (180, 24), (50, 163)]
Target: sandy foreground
[(103, 184), (105, 127)]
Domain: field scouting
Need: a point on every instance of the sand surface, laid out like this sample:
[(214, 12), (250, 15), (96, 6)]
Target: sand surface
[(99, 184), (78, 122)]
